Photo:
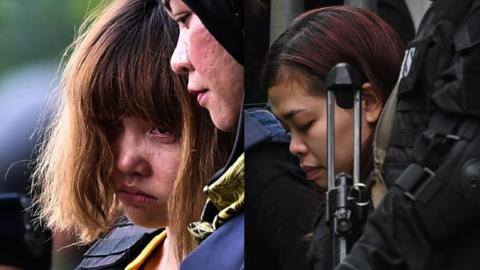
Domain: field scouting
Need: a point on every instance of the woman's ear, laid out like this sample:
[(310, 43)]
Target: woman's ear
[(372, 103)]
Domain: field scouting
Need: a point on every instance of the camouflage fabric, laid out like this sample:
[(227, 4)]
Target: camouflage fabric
[(227, 194)]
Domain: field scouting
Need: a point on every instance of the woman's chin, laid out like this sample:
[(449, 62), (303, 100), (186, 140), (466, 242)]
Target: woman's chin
[(146, 220)]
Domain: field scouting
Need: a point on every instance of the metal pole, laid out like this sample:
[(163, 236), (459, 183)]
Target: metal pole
[(343, 85), (331, 139), (357, 134), (342, 249)]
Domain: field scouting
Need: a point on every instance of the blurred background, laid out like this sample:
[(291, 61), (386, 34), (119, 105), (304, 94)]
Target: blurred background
[(267, 19), (33, 37)]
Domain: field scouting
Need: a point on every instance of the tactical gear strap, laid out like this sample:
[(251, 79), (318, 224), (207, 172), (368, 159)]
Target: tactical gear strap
[(118, 248), (418, 183), (380, 145), (418, 180)]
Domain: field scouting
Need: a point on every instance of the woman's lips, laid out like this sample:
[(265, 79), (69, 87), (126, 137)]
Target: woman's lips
[(200, 94), (134, 196), (312, 172), (201, 98)]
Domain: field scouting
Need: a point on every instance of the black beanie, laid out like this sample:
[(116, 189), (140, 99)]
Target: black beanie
[(224, 20)]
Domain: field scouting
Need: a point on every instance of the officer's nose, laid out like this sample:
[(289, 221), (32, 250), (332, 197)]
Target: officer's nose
[(180, 62)]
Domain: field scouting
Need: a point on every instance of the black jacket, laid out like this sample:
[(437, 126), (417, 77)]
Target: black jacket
[(280, 202), (429, 219)]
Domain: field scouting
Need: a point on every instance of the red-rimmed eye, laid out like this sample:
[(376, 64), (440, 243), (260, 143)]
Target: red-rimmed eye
[(163, 134)]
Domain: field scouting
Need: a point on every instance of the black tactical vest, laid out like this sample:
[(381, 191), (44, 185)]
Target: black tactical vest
[(439, 76), (118, 248), (430, 216), (434, 151)]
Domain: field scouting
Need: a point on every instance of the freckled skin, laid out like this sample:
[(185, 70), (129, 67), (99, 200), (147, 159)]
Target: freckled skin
[(209, 66), (149, 162)]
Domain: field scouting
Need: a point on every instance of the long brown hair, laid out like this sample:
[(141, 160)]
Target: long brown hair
[(321, 38), (119, 66)]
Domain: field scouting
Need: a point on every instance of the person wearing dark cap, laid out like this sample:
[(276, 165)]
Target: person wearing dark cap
[(210, 51)]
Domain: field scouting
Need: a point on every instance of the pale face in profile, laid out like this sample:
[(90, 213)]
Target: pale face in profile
[(214, 76), (146, 163)]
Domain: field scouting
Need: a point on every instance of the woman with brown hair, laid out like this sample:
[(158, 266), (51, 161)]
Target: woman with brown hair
[(295, 74), (127, 138), (297, 66)]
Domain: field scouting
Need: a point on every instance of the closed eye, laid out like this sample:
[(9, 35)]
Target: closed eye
[(306, 127)]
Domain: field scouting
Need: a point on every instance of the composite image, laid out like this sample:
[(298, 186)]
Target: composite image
[(239, 134)]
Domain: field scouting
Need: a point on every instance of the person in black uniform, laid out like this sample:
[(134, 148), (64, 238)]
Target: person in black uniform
[(429, 218), (218, 84)]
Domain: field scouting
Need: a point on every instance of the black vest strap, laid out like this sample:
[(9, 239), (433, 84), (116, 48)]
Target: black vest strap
[(118, 248)]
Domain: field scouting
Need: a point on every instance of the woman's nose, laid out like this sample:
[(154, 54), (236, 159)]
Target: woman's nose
[(180, 62), (297, 147), (131, 158)]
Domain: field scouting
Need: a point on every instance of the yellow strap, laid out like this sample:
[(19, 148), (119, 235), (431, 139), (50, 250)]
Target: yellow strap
[(147, 251)]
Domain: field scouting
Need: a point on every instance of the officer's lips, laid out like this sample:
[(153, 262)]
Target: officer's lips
[(134, 196), (200, 94)]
